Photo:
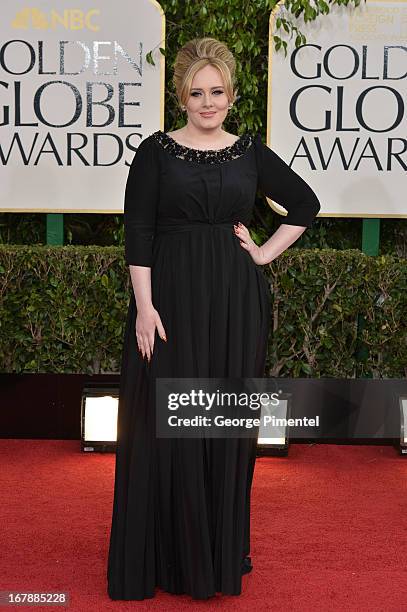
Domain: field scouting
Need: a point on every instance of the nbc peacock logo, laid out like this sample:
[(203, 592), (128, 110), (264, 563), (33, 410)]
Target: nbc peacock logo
[(68, 19)]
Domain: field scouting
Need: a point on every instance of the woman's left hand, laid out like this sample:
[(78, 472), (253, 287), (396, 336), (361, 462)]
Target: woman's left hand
[(247, 243)]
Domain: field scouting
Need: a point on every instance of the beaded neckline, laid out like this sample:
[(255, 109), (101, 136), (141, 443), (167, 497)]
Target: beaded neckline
[(204, 156)]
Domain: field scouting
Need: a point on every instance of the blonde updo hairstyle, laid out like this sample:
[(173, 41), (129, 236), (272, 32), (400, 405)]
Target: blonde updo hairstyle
[(196, 54)]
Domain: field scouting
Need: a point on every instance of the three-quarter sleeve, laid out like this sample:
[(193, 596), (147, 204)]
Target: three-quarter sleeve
[(140, 205), (282, 184)]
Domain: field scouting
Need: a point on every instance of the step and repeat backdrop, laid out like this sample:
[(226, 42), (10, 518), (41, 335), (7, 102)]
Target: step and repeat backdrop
[(79, 88), (337, 107)]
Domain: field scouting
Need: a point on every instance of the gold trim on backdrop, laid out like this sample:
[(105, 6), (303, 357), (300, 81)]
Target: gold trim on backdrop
[(268, 129), (162, 62)]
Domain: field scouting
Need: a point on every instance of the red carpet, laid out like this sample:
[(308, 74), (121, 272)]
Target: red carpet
[(329, 529)]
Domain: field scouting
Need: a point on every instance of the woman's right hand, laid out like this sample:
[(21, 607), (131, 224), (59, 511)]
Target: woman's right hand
[(147, 321)]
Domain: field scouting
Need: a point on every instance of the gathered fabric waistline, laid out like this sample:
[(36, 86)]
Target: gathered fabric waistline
[(187, 227)]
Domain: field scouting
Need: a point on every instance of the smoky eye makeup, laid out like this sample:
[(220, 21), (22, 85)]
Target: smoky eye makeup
[(215, 91)]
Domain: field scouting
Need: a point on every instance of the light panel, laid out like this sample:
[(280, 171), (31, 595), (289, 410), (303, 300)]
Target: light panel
[(100, 419)]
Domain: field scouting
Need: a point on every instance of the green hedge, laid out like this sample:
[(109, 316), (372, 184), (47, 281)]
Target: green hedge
[(63, 310)]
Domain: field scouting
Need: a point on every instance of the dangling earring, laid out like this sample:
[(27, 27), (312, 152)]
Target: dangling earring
[(183, 108)]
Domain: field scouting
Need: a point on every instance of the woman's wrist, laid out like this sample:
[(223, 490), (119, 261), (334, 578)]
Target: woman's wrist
[(144, 307), (264, 258)]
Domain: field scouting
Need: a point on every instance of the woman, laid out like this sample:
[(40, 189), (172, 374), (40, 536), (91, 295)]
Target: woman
[(181, 513)]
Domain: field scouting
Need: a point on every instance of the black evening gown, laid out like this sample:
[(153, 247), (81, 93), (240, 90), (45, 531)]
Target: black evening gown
[(181, 510)]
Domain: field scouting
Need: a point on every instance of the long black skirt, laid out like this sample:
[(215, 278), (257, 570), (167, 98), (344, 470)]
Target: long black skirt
[(181, 510)]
